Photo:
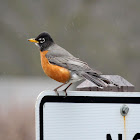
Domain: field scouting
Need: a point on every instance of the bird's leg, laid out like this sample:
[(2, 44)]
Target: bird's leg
[(58, 88), (67, 88)]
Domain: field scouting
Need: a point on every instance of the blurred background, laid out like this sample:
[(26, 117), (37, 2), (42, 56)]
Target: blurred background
[(105, 34)]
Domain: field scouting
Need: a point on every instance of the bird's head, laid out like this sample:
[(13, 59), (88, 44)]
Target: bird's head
[(43, 41)]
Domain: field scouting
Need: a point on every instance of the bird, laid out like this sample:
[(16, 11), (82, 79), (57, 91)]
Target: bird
[(62, 66)]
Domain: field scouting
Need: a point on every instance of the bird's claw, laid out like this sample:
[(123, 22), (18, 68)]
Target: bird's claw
[(56, 92), (65, 93)]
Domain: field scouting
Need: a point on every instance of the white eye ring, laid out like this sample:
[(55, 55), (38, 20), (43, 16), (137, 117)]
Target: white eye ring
[(41, 40)]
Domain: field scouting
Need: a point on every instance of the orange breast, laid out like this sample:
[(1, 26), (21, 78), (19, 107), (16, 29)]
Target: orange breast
[(55, 72)]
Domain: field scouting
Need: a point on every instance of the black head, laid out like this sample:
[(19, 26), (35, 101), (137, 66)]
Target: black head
[(43, 40)]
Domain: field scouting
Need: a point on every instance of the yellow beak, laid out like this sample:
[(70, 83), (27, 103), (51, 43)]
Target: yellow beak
[(33, 40)]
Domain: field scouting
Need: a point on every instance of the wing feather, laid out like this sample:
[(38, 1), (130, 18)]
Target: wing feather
[(71, 63), (61, 57)]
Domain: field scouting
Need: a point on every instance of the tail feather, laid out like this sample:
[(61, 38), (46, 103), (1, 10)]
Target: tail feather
[(108, 81), (105, 80), (99, 82)]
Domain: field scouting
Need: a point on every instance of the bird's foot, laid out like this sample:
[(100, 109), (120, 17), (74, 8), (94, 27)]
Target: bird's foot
[(56, 92), (66, 89), (65, 92)]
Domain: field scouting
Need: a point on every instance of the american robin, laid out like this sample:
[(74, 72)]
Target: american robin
[(62, 66)]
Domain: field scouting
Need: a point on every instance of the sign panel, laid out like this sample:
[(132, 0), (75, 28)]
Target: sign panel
[(87, 116)]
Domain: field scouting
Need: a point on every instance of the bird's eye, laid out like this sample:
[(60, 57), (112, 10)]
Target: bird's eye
[(41, 40)]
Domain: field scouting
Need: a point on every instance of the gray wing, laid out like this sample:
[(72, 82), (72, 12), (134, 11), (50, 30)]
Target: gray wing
[(61, 57)]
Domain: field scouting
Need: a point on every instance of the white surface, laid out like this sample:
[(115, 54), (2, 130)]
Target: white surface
[(89, 93), (78, 121), (87, 121)]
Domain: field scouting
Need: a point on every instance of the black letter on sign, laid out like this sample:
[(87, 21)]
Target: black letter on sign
[(137, 136), (119, 136), (108, 137)]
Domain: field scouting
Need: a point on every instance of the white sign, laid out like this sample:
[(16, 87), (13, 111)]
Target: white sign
[(87, 116)]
